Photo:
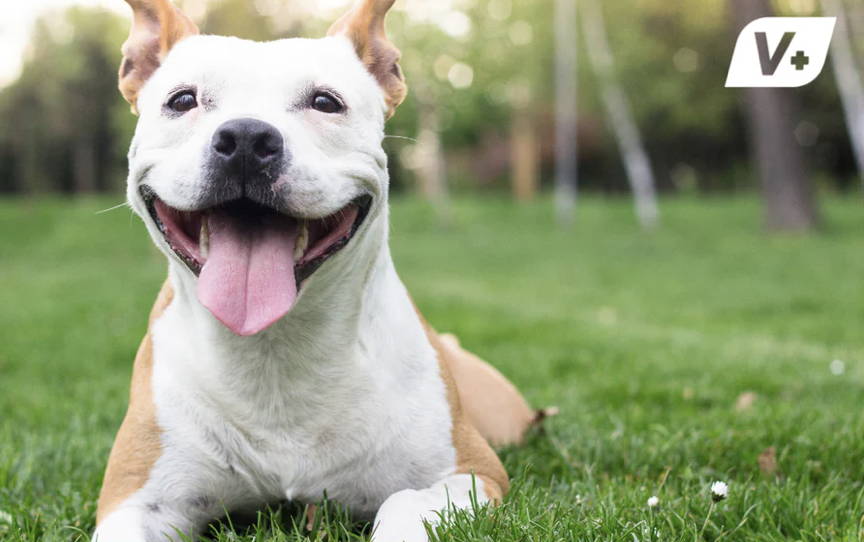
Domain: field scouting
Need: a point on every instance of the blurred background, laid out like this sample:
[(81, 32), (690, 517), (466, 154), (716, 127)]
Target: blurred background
[(632, 92)]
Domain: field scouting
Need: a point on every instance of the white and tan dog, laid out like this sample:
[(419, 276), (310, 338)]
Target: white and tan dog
[(284, 357)]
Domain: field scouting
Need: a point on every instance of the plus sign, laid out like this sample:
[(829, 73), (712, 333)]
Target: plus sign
[(800, 60)]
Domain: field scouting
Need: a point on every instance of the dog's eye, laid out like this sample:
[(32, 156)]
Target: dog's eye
[(326, 103), (183, 101)]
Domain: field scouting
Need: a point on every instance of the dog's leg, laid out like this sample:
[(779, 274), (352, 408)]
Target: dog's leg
[(491, 402), (478, 477), (130, 510), (185, 493)]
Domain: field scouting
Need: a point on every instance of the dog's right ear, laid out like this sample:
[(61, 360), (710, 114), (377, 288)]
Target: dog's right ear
[(156, 27)]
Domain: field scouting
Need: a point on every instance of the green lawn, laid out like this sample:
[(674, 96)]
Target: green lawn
[(645, 342)]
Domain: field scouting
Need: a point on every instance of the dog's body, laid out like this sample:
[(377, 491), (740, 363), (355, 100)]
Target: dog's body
[(337, 387)]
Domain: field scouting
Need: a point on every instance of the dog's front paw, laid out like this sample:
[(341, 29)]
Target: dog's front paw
[(401, 517), (123, 525)]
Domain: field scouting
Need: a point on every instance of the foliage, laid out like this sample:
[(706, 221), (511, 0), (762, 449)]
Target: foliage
[(64, 112), (645, 342), (475, 61)]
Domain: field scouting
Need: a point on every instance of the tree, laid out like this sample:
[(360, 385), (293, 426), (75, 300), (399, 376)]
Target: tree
[(620, 116), (65, 108), (848, 80), (431, 166), (772, 114), (523, 151), (566, 158)]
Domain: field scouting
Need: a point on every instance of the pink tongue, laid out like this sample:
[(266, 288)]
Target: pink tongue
[(247, 281)]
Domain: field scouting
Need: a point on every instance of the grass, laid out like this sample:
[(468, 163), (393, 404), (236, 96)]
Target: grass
[(645, 342)]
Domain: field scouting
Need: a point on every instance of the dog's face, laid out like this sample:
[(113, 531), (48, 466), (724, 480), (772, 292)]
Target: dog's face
[(311, 112), (255, 163)]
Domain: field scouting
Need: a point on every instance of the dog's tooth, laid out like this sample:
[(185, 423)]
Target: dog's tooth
[(204, 238), (302, 241)]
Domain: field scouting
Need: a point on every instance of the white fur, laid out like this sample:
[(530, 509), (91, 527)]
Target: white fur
[(333, 157), (401, 517), (344, 394), (125, 523)]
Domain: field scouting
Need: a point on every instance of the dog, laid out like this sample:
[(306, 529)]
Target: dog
[(284, 358)]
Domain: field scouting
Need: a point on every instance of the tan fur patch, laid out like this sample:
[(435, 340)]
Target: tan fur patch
[(473, 453), (138, 445), (493, 404), (157, 25), (364, 26)]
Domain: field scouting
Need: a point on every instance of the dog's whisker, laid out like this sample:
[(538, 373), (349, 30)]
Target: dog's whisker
[(387, 136), (124, 204)]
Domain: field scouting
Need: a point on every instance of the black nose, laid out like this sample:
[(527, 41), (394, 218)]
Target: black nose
[(247, 147)]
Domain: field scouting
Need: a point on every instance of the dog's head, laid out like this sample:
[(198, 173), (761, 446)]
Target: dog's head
[(255, 165)]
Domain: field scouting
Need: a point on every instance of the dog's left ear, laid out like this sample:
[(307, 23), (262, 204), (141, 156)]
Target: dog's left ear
[(364, 26), (156, 27)]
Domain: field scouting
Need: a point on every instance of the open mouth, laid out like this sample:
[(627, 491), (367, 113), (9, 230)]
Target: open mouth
[(252, 259)]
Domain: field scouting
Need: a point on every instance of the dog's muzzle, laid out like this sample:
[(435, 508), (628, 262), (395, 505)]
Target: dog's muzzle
[(250, 253)]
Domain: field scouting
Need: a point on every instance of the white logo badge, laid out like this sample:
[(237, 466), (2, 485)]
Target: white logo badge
[(780, 52)]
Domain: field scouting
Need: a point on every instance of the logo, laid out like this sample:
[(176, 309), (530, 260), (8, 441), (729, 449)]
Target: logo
[(780, 52)]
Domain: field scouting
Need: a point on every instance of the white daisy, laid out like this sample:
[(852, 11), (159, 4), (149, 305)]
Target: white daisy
[(653, 501), (837, 367), (719, 491)]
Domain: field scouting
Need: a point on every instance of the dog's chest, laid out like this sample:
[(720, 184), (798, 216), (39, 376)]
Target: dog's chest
[(357, 428)]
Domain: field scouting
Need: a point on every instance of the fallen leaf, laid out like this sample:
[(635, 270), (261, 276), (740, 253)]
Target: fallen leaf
[(745, 401), (768, 461)]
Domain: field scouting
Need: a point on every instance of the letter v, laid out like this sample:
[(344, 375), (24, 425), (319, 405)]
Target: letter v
[(769, 64)]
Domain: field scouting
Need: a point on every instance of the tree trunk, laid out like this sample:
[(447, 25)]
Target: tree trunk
[(855, 11), (431, 168), (566, 172), (636, 161), (523, 141), (84, 165), (772, 114), (848, 80)]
